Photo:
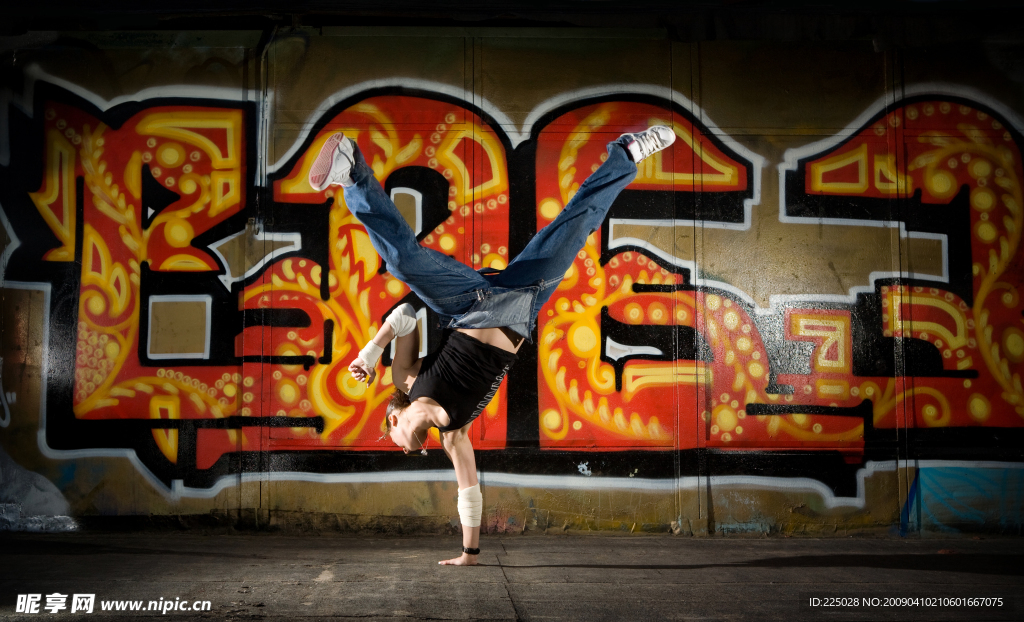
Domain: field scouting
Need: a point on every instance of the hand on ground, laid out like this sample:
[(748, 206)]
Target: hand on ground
[(360, 371), (462, 560)]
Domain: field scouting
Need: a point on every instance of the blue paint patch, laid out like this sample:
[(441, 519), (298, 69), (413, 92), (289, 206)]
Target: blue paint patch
[(66, 474), (958, 498), (908, 507), (743, 527)]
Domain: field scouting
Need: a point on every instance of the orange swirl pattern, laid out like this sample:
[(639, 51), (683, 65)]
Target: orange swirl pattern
[(587, 398), (948, 146)]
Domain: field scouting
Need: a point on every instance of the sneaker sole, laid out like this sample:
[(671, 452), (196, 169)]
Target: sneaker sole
[(321, 169)]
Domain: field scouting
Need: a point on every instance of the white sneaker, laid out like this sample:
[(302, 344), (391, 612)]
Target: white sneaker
[(650, 141), (333, 166)]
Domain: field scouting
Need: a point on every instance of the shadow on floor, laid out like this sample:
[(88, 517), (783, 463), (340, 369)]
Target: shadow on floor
[(1006, 565)]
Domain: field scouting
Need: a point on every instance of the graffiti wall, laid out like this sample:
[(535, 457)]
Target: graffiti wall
[(798, 318)]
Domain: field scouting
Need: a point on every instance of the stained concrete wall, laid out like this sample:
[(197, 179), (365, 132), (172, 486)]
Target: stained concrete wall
[(802, 318)]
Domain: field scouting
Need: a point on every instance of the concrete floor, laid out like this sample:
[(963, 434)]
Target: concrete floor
[(589, 578)]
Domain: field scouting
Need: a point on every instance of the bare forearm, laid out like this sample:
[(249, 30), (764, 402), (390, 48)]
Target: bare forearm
[(363, 366), (460, 450), (465, 474), (384, 335), (471, 537)]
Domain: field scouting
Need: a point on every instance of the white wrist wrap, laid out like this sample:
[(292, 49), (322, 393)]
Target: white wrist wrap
[(402, 320), (471, 505), (371, 354)]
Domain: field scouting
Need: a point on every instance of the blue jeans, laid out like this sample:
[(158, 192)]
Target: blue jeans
[(466, 298)]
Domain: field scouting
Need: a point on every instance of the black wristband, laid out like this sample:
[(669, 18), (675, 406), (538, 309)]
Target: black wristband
[(470, 551)]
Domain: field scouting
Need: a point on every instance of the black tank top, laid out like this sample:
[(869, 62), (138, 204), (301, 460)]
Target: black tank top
[(462, 375)]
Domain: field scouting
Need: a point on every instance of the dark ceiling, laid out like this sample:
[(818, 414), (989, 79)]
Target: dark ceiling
[(899, 22)]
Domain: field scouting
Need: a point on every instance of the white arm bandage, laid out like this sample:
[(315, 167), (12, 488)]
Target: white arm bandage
[(471, 506), (402, 320), (371, 354)]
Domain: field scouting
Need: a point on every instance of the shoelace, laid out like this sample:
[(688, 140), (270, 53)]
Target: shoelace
[(649, 142)]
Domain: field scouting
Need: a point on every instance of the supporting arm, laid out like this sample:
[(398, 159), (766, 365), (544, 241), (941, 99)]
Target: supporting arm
[(460, 450)]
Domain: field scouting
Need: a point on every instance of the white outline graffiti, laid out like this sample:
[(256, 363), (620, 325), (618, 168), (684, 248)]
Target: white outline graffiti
[(295, 245), (177, 490), (791, 160)]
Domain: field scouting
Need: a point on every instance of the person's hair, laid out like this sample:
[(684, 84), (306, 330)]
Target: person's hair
[(399, 402)]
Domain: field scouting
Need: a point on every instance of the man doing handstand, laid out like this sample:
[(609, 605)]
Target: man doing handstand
[(489, 313)]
